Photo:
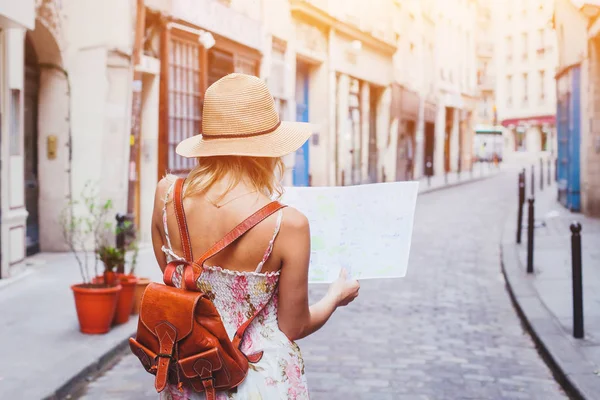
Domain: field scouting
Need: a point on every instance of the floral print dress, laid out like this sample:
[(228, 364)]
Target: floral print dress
[(237, 295)]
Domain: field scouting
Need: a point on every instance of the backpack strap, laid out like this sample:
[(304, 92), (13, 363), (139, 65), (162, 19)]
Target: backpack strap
[(191, 274), (191, 269), (184, 234)]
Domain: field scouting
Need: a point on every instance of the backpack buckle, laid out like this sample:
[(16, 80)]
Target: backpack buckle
[(163, 355)]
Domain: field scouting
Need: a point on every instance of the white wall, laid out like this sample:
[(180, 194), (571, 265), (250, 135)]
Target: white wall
[(513, 22)]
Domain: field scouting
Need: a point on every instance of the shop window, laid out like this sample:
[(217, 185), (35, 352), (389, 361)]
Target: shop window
[(245, 65), (185, 98)]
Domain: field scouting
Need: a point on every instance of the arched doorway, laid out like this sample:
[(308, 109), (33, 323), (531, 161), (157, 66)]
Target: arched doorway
[(47, 121), (31, 177)]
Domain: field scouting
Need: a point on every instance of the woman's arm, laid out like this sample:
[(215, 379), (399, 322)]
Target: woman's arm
[(296, 318), (157, 222)]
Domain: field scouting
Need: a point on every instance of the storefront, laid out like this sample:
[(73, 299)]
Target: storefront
[(205, 41), (429, 116), (363, 105), (187, 46), (405, 108)]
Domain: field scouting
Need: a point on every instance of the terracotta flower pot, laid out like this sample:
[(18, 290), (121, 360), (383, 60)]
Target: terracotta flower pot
[(95, 306), (125, 303), (141, 285)]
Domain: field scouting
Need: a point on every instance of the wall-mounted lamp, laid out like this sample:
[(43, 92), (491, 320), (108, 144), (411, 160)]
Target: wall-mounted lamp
[(205, 38), (356, 45)]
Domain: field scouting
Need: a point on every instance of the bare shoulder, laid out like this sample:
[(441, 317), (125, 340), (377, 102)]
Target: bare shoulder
[(294, 221), (163, 185)]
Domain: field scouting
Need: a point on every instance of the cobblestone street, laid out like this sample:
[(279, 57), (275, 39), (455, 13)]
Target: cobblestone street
[(446, 331)]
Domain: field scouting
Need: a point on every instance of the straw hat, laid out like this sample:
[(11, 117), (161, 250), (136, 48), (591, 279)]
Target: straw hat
[(239, 118)]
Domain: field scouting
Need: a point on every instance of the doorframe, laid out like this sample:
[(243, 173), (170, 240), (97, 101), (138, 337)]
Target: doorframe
[(304, 70)]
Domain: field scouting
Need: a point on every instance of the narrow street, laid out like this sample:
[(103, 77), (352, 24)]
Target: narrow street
[(446, 331)]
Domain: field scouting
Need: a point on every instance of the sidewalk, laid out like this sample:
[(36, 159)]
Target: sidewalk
[(45, 355), (544, 299), (43, 349), (438, 182)]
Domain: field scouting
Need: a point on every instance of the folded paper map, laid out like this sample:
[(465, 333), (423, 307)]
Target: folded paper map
[(366, 229)]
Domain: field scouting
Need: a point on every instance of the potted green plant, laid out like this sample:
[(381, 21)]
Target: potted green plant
[(111, 257), (95, 302)]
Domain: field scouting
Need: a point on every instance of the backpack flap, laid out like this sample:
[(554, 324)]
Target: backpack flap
[(167, 314), (204, 367)]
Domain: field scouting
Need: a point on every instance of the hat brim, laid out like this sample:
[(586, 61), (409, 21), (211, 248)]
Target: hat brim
[(286, 139)]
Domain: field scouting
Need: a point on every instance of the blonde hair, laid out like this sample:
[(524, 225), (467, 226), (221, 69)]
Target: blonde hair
[(262, 173)]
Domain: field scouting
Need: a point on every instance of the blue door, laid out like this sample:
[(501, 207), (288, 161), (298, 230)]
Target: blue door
[(574, 136), (301, 165), (562, 118)]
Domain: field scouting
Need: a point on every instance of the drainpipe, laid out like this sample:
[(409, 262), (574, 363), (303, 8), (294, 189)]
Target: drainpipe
[(136, 111)]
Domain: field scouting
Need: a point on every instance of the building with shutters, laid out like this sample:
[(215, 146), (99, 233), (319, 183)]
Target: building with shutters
[(456, 85), (526, 60), (344, 64)]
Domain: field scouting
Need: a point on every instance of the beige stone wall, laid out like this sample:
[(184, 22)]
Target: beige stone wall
[(514, 58), (590, 144)]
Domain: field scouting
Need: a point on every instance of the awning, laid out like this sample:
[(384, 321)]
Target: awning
[(537, 120)]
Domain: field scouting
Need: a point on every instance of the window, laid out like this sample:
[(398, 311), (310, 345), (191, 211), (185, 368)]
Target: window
[(542, 85), (525, 45), (509, 48), (509, 90), (277, 76), (185, 102), (525, 88), (484, 111)]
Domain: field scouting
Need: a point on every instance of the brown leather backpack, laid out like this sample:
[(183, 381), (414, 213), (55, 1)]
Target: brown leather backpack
[(180, 337)]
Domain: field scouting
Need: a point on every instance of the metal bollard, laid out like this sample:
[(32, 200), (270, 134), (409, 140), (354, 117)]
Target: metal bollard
[(541, 174), (577, 280), (521, 203), (549, 167), (530, 227), (429, 180), (532, 181), (446, 177)]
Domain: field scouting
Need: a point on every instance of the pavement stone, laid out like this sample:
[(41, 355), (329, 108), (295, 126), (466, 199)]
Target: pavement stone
[(446, 331)]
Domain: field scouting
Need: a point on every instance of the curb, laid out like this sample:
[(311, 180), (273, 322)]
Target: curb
[(78, 382), (550, 338), (458, 183)]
